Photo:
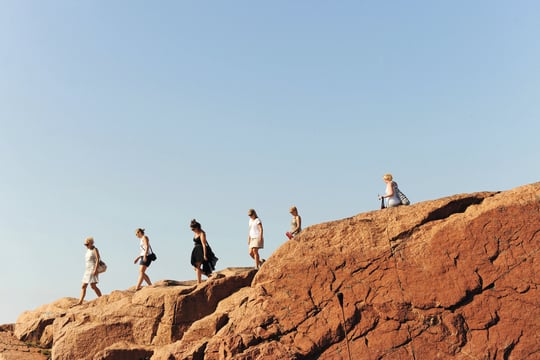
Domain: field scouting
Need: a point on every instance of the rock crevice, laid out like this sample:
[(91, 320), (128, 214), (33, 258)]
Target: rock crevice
[(452, 278)]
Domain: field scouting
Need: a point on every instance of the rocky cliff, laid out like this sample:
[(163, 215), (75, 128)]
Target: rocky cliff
[(453, 278)]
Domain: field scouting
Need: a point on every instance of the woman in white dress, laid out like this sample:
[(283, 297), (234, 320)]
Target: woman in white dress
[(91, 272)]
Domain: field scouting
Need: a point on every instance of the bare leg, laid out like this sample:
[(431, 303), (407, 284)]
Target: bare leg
[(254, 253), (199, 272), (142, 276), (147, 279), (83, 293), (96, 289), (257, 259)]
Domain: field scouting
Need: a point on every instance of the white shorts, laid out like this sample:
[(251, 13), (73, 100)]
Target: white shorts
[(256, 243)]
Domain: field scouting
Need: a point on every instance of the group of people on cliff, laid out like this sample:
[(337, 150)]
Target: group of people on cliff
[(203, 258)]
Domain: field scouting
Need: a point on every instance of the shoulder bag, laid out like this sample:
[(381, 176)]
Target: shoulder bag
[(152, 256), (404, 199), (102, 267)]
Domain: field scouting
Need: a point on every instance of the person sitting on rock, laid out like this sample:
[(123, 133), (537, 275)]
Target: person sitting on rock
[(391, 196)]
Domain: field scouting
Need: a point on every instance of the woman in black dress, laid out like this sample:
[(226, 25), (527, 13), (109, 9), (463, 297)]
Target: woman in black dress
[(202, 256)]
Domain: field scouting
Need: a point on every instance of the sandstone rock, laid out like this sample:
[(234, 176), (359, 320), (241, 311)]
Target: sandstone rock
[(12, 348), (194, 342), (123, 351), (452, 278), (127, 323)]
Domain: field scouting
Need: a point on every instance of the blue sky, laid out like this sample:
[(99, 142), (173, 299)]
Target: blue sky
[(123, 114)]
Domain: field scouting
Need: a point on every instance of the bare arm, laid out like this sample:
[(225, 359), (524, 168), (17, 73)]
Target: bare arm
[(204, 243), (146, 246), (98, 258), (298, 221)]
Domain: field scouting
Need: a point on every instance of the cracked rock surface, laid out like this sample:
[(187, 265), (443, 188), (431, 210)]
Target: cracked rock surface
[(452, 278), (456, 278)]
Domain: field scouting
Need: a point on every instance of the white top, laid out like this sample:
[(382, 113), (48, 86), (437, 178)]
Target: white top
[(254, 231), (143, 249)]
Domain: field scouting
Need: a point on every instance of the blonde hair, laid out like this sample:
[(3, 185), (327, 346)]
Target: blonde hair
[(293, 209), (89, 241), (388, 177)]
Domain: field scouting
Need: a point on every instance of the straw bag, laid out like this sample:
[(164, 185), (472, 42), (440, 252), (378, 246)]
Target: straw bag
[(102, 267)]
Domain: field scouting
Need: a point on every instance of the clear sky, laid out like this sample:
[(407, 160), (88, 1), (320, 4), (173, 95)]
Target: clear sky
[(123, 114)]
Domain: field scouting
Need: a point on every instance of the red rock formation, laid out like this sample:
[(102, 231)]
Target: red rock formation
[(453, 278), (12, 348), (127, 324)]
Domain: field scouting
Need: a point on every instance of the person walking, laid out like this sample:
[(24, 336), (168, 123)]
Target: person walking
[(144, 258), (91, 270), (203, 258), (255, 237)]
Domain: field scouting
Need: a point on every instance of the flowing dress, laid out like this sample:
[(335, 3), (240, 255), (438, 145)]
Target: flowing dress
[(89, 277), (197, 256)]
